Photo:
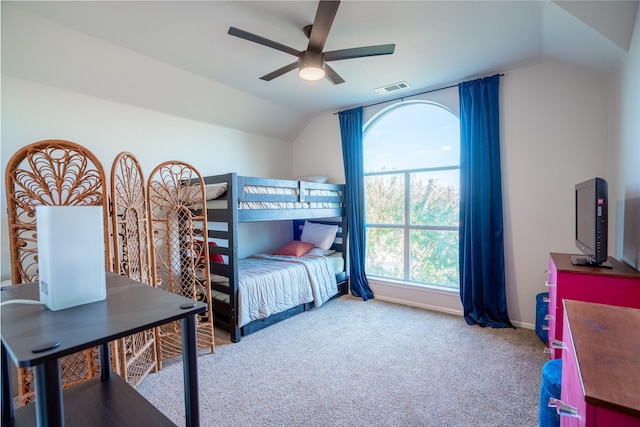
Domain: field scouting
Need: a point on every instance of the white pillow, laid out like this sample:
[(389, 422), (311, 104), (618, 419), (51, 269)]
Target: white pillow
[(213, 191), (321, 235), (313, 178)]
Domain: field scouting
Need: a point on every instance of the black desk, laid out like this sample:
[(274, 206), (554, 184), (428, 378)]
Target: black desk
[(130, 307)]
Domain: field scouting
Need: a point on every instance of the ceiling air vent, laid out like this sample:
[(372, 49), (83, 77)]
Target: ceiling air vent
[(392, 88)]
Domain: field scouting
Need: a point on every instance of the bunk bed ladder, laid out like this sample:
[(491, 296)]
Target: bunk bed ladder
[(225, 311)]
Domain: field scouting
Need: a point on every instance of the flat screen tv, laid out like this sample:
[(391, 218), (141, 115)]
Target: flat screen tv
[(592, 212)]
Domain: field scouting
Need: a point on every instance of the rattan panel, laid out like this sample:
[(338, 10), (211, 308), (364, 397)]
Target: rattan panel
[(53, 173), (180, 252), (136, 354)]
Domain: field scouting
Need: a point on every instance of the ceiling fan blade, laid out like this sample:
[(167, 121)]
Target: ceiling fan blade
[(261, 40), (280, 71), (322, 24), (359, 52), (332, 76)]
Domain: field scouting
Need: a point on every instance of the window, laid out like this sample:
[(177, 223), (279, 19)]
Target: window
[(412, 194)]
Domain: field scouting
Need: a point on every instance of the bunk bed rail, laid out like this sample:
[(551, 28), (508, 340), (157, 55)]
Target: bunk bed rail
[(252, 199)]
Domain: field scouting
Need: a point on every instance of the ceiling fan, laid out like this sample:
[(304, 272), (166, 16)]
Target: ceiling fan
[(311, 63)]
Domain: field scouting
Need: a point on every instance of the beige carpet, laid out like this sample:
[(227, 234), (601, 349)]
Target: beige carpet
[(355, 363)]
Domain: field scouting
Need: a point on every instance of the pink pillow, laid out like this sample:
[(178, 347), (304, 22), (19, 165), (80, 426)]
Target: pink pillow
[(213, 257), (294, 248)]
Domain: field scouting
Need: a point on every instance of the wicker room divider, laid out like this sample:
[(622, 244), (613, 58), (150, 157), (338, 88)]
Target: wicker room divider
[(55, 173), (180, 252), (136, 354)]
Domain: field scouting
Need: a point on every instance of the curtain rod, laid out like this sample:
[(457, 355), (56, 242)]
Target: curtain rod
[(415, 94)]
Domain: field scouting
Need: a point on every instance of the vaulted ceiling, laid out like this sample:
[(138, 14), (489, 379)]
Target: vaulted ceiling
[(437, 42)]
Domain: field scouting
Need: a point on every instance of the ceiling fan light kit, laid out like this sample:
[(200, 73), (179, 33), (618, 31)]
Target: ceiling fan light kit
[(311, 65), (311, 62)]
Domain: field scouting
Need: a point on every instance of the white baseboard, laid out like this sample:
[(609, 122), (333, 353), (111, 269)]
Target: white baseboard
[(419, 305), (429, 298), (524, 325)]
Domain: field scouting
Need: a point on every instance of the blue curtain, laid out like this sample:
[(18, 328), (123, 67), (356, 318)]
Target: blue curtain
[(482, 277), (352, 156)]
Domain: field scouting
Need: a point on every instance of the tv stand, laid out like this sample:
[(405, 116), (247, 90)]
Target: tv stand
[(585, 261)]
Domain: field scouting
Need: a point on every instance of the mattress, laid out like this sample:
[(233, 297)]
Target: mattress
[(336, 262), (271, 284), (280, 191)]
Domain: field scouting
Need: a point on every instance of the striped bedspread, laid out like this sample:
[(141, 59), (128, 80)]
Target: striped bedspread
[(271, 284)]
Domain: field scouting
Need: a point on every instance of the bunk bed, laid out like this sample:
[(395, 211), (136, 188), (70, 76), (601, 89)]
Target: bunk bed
[(234, 199)]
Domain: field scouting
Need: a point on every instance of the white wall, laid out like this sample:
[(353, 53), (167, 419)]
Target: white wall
[(554, 123), (624, 153), (318, 150), (32, 112), (553, 135)]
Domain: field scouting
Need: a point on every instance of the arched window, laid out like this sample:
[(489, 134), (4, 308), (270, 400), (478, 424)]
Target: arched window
[(412, 193)]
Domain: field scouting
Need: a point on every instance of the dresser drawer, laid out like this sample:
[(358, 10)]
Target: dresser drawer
[(571, 391), (618, 286)]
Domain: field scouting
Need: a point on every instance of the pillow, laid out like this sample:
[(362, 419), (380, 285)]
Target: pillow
[(314, 178), (322, 252), (213, 191), (212, 256), (294, 248), (321, 235)]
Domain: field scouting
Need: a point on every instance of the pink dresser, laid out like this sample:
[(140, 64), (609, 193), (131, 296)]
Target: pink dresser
[(619, 285), (600, 366)]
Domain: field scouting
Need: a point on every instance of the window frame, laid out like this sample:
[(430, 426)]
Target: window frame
[(407, 226)]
